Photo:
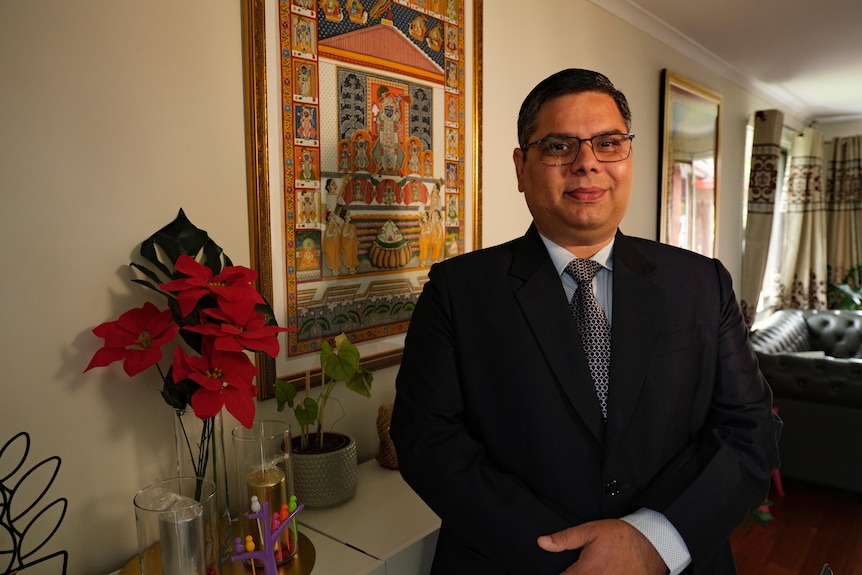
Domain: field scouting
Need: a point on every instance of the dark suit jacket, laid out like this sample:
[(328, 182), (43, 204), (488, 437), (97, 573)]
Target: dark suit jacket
[(498, 428)]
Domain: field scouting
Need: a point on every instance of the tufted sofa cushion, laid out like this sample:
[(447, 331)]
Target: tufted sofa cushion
[(820, 397), (786, 342), (837, 333), (784, 331)]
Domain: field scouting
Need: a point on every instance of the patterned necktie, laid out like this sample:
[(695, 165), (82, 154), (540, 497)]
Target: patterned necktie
[(592, 326)]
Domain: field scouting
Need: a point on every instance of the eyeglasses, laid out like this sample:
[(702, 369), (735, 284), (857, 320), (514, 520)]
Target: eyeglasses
[(563, 150)]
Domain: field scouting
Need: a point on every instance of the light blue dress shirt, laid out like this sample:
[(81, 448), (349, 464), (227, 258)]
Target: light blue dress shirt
[(652, 524)]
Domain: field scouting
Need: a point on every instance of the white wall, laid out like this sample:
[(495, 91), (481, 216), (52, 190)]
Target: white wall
[(114, 114), (833, 130), (520, 51)]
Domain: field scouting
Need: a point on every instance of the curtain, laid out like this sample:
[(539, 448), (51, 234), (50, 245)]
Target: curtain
[(843, 176), (802, 273), (762, 191)]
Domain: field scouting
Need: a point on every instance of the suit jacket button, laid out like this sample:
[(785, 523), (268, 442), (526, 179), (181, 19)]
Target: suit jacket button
[(613, 487)]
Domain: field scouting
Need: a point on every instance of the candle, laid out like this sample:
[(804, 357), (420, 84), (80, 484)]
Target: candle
[(263, 466), (267, 484), (181, 533)]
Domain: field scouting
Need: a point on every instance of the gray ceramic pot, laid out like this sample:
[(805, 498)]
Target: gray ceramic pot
[(325, 479)]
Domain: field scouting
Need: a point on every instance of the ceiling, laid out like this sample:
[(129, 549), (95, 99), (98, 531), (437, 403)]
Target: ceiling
[(805, 56)]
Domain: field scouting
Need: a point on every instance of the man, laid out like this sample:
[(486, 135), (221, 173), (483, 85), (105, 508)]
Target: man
[(536, 465)]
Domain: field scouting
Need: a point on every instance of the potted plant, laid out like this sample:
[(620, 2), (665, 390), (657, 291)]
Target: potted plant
[(324, 462), (848, 293)]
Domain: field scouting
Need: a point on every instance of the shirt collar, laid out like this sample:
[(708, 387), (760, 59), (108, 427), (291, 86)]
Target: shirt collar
[(561, 257)]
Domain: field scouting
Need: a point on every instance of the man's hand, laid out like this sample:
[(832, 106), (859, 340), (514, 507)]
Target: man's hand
[(608, 547)]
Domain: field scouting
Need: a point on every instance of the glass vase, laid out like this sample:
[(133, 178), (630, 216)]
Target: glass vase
[(264, 480), (200, 453)]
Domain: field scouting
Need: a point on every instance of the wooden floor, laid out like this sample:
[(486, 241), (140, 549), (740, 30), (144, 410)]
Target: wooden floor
[(813, 525)]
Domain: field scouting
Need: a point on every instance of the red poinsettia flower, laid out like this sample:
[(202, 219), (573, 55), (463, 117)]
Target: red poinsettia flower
[(239, 326), (226, 379), (231, 284), (136, 337)]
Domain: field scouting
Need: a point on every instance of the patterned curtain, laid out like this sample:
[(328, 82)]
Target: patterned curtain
[(762, 190), (843, 176), (803, 277)]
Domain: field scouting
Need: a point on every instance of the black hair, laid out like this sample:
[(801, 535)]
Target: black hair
[(564, 82)]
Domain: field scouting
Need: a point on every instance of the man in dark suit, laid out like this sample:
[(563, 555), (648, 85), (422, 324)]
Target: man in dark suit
[(536, 465)]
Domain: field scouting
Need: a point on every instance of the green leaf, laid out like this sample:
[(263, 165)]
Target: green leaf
[(285, 392), (306, 413), (154, 277), (360, 382), (182, 237), (340, 365), (306, 326), (368, 310)]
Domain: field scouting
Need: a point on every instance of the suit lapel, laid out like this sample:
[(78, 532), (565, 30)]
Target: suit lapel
[(551, 322), (636, 304)]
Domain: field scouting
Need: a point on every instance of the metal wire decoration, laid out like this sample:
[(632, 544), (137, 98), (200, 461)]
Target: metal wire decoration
[(22, 524)]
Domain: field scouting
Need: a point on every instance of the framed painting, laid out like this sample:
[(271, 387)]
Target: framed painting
[(363, 151), (690, 161)]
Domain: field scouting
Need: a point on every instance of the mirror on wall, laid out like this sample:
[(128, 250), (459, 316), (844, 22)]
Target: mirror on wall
[(688, 205)]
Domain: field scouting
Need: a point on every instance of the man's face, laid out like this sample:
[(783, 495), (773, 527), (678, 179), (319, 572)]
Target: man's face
[(579, 205)]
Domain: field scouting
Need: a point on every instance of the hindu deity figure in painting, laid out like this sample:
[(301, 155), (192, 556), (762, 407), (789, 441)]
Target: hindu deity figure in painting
[(424, 239), (414, 164), (387, 116), (452, 177), (331, 10), (307, 124), (304, 80), (355, 12), (349, 244), (306, 171), (434, 40), (418, 28), (438, 236), (451, 9), (332, 243), (308, 259), (334, 195), (308, 207), (360, 147), (304, 35), (452, 39), (452, 108), (344, 156), (428, 162), (435, 202)]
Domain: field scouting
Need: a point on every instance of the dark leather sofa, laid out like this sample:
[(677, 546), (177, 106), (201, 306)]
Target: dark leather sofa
[(813, 362)]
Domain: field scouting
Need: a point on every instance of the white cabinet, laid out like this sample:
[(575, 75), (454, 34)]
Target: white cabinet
[(385, 520)]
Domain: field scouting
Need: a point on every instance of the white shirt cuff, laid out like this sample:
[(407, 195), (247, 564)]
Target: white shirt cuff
[(663, 536)]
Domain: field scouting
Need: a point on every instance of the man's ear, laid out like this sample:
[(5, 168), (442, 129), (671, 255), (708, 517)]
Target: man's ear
[(518, 158)]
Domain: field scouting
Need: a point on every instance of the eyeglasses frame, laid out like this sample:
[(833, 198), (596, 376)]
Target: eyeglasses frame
[(630, 135)]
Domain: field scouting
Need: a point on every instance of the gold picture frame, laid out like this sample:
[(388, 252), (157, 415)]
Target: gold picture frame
[(269, 235), (690, 165)]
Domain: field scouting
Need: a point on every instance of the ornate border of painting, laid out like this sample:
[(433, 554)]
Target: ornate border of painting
[(301, 58), (690, 164)]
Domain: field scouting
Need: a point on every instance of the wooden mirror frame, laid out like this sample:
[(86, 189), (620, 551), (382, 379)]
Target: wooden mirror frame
[(690, 165)]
